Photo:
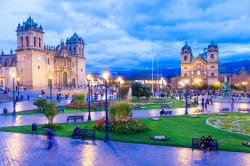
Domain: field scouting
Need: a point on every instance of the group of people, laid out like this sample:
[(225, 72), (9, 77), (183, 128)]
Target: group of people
[(205, 102), (206, 143)]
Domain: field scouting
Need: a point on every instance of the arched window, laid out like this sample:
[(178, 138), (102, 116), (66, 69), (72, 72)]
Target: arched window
[(34, 41), (48, 61), (38, 67), (70, 49), (21, 69), (185, 58), (27, 41), (185, 74), (39, 42), (21, 41), (212, 56), (212, 74), (74, 50)]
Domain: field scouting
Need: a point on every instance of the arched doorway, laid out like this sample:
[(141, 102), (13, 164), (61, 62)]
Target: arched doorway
[(64, 79), (73, 83)]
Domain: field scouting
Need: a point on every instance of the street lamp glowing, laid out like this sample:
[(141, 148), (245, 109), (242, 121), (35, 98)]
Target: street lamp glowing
[(13, 74), (18, 79), (244, 83), (186, 81), (105, 75), (89, 77), (119, 79), (50, 77)]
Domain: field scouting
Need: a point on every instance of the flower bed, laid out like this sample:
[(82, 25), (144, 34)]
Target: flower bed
[(129, 126), (237, 124), (75, 106), (101, 104)]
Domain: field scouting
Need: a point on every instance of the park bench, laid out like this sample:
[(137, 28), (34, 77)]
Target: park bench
[(244, 110), (60, 109), (80, 117), (165, 106), (99, 108), (5, 111), (89, 133), (166, 113), (136, 107), (224, 110), (131, 115), (196, 143)]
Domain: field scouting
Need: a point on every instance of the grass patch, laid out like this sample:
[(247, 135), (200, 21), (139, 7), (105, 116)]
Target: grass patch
[(180, 130)]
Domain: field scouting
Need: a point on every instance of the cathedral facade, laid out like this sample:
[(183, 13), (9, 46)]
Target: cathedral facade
[(200, 70), (35, 63)]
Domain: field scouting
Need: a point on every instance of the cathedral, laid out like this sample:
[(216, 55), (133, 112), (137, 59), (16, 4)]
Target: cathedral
[(37, 65), (200, 70)]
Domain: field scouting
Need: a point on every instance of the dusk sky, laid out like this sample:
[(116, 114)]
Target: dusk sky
[(123, 35)]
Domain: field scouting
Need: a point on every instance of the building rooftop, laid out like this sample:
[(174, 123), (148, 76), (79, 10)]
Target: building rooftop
[(29, 24)]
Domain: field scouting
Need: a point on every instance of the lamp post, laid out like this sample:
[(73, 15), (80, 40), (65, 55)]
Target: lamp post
[(14, 102), (186, 111), (105, 76), (17, 79), (89, 79), (50, 78), (119, 80)]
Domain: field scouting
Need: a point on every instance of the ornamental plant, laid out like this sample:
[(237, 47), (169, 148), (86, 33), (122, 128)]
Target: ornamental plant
[(120, 111), (79, 99), (128, 126)]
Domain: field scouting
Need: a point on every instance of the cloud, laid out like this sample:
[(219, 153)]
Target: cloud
[(123, 35)]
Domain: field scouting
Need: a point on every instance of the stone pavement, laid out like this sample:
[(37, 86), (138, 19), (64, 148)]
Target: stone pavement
[(27, 150)]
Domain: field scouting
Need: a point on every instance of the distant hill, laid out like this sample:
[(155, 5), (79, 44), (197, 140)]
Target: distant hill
[(228, 67), (234, 67)]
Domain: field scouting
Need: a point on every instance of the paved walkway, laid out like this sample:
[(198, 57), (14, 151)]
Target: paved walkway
[(28, 150), (25, 149)]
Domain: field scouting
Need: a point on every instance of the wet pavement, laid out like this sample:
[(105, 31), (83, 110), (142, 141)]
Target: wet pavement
[(28, 150)]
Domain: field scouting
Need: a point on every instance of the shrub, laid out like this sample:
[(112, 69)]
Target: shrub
[(79, 99), (41, 103), (120, 111), (129, 126)]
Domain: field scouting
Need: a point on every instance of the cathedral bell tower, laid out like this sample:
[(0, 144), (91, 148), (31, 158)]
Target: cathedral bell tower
[(29, 35), (186, 54)]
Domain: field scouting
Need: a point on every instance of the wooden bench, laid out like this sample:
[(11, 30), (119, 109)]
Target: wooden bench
[(80, 117), (224, 110), (87, 133), (99, 108), (196, 143), (166, 113), (60, 109), (165, 106), (244, 110)]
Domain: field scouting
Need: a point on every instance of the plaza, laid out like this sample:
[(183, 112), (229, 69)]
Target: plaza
[(124, 83)]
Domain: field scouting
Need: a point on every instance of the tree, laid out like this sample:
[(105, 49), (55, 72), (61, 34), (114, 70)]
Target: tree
[(123, 92), (147, 91), (50, 111), (137, 90)]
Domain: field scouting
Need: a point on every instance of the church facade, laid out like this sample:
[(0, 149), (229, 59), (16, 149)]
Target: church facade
[(35, 63), (200, 70)]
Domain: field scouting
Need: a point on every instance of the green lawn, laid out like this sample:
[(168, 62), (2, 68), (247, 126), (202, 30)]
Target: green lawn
[(180, 130)]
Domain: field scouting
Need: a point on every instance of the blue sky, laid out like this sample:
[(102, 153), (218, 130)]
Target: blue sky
[(124, 34)]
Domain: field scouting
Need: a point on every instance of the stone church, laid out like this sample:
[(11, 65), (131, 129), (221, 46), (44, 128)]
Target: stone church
[(200, 70), (34, 62)]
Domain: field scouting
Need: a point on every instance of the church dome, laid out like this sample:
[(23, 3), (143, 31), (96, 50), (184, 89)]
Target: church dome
[(29, 24), (212, 44), (186, 46), (75, 39)]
